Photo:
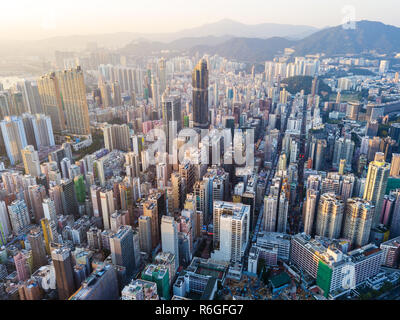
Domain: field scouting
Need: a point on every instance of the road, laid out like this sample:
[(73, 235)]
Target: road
[(271, 175), (295, 212)]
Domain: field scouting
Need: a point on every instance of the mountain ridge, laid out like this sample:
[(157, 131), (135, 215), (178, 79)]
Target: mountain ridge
[(367, 36)]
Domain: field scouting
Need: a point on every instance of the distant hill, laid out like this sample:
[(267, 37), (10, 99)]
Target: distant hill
[(143, 47), (247, 49), (368, 35), (224, 29), (241, 30)]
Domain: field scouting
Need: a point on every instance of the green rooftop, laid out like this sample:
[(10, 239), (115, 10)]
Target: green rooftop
[(280, 280)]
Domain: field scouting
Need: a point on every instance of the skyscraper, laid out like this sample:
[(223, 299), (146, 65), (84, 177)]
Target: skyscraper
[(51, 100), (283, 210), (49, 233), (330, 216), (395, 221), (31, 161), (344, 149), (270, 213), (233, 230), (102, 284), (162, 74), (169, 237), (310, 207), (21, 266), (358, 221), (107, 206), (116, 137), (105, 92), (122, 249), (49, 209), (37, 193), (145, 234), (117, 96), (68, 198), (31, 96), (150, 210), (200, 95), (62, 262), (171, 116), (353, 108), (12, 130), (5, 227), (41, 133), (395, 165), (73, 96), (375, 186), (19, 215), (38, 249)]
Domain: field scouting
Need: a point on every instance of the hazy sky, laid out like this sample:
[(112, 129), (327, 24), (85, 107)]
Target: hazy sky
[(37, 19)]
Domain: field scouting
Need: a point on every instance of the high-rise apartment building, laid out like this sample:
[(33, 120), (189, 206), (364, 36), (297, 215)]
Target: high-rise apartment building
[(395, 214), (395, 165), (68, 198), (150, 210), (5, 226), (145, 240), (310, 208), (107, 206), (344, 149), (12, 130), (375, 186), (30, 158), (21, 266), (270, 213), (73, 91), (122, 249), (19, 215), (35, 239), (117, 137), (62, 262), (358, 221), (169, 237), (51, 100), (329, 216), (102, 284), (231, 230)]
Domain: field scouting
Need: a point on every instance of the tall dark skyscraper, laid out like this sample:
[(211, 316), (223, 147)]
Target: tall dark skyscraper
[(38, 249), (171, 113), (122, 249), (64, 272), (200, 95), (68, 198)]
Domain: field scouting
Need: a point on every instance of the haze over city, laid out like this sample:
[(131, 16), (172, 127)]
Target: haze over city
[(33, 20)]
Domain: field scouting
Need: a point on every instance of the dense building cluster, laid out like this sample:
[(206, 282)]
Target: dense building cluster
[(165, 178)]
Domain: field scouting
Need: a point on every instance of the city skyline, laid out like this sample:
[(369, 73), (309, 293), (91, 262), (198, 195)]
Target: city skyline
[(260, 163)]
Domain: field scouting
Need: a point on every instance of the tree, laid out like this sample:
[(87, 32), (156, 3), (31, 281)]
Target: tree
[(297, 83)]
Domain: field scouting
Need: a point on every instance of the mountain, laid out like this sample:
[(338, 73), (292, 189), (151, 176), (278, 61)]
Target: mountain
[(214, 33), (241, 30), (247, 49), (145, 47), (367, 35)]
